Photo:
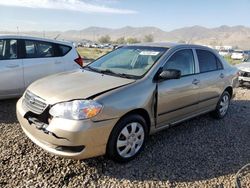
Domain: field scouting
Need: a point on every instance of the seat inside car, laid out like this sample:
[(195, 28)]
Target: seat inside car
[(143, 62)]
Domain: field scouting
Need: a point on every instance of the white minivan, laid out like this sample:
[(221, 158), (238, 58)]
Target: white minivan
[(25, 59)]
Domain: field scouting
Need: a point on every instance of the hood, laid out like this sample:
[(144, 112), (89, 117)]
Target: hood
[(80, 84), (244, 66)]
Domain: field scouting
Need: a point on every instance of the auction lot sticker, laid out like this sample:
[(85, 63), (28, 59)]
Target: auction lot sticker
[(152, 53)]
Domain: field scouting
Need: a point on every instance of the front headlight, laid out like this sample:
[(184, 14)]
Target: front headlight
[(241, 73), (76, 110)]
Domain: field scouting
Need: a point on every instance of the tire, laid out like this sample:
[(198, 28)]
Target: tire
[(222, 106), (127, 138)]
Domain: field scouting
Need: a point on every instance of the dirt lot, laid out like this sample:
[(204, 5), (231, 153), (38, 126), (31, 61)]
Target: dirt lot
[(202, 152)]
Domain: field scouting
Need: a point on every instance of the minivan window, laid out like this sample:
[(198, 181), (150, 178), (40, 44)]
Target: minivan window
[(38, 49), (208, 61), (8, 49), (30, 49), (182, 60), (1, 46), (45, 49), (130, 61), (63, 49)]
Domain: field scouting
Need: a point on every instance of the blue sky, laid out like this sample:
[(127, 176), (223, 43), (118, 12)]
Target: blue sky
[(78, 14)]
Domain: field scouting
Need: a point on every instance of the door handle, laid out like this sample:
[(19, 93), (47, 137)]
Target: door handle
[(58, 62), (222, 75), (196, 82), (12, 66)]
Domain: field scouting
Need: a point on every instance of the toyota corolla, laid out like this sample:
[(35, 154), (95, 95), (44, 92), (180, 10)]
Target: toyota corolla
[(112, 105)]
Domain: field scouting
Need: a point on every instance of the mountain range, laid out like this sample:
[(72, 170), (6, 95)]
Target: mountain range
[(237, 36)]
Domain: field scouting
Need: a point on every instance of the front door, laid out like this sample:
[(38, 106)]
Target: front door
[(178, 98), (11, 69)]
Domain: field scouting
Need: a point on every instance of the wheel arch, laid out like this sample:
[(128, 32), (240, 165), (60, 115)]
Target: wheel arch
[(142, 112), (229, 89)]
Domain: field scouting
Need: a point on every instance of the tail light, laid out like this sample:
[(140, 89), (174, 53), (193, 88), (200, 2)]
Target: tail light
[(79, 60)]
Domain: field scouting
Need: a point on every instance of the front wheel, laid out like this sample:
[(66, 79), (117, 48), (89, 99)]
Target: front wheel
[(222, 106), (127, 138)]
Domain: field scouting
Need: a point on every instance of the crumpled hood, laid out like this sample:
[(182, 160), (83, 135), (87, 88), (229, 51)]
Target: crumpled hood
[(80, 84), (244, 66)]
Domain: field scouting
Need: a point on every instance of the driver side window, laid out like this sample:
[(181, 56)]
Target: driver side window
[(182, 60)]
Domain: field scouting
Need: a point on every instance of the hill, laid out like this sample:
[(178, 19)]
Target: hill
[(224, 35)]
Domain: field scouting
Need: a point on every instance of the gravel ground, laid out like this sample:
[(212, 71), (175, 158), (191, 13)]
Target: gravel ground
[(201, 152)]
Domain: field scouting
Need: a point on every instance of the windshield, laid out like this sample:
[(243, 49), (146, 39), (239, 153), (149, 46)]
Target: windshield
[(238, 52), (130, 62)]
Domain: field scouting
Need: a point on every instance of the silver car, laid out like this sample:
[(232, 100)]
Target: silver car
[(244, 73), (113, 104), (24, 59)]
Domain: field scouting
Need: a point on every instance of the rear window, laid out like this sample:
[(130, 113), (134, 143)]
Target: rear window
[(45, 49), (208, 61), (63, 50)]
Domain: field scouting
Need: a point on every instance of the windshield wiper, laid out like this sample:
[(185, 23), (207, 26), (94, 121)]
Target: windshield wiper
[(92, 69), (108, 71)]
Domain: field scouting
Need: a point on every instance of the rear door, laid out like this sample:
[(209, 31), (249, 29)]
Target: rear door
[(178, 98), (11, 69), (40, 60), (212, 79)]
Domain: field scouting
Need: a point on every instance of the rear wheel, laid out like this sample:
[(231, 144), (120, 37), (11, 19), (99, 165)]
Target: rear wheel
[(222, 106), (127, 138)]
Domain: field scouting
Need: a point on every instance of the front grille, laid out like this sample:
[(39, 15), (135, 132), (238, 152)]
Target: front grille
[(244, 74), (34, 103)]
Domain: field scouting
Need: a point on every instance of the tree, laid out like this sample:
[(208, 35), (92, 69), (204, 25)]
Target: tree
[(105, 39), (132, 40), (120, 40), (148, 38)]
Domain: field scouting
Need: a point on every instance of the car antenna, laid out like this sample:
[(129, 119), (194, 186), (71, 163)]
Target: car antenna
[(57, 36), (17, 29)]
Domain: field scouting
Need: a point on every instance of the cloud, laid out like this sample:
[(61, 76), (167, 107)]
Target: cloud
[(72, 5)]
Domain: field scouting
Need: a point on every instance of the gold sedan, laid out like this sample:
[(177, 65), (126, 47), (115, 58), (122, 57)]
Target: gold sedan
[(113, 104)]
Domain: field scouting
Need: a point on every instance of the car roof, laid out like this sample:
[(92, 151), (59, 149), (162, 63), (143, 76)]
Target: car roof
[(3, 36), (169, 45)]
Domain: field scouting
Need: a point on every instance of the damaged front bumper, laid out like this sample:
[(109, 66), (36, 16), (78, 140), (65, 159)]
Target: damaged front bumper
[(78, 139), (244, 76)]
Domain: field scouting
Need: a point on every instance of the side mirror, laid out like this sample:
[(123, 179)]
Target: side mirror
[(169, 74)]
